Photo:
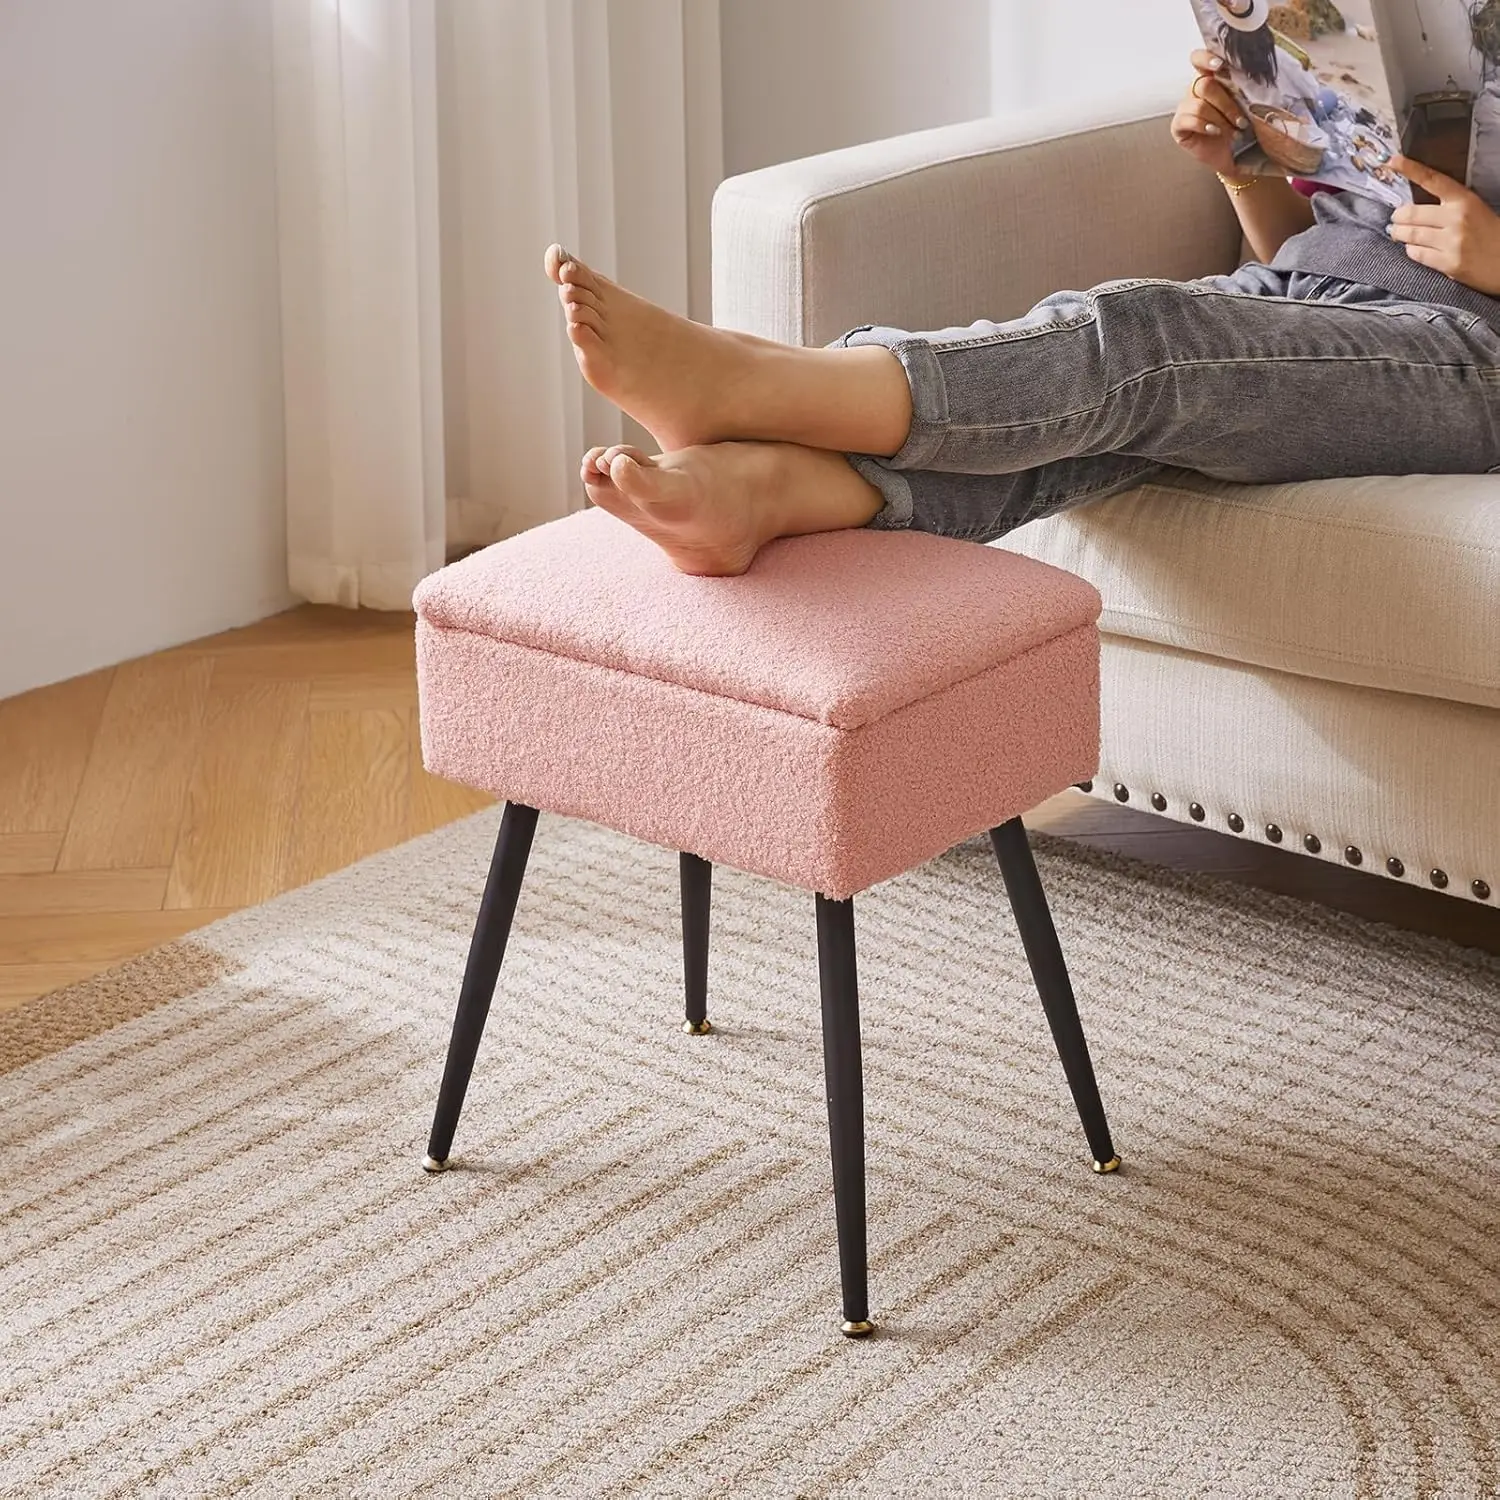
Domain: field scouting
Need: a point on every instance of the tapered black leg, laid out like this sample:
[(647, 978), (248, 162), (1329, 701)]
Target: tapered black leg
[(486, 950), (697, 891), (844, 1076), (1029, 901)]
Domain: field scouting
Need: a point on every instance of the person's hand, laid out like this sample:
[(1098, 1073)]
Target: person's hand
[(1208, 116), (1458, 235)]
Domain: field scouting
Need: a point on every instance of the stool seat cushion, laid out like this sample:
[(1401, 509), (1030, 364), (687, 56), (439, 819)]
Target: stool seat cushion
[(856, 703)]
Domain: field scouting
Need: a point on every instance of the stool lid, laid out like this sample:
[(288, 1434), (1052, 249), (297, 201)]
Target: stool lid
[(841, 628)]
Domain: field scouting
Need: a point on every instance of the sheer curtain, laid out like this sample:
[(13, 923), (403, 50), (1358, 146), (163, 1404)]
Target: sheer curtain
[(427, 152)]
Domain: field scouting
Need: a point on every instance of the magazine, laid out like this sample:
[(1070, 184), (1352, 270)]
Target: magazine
[(1334, 88)]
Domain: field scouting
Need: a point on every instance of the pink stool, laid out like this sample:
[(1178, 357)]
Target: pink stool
[(854, 705)]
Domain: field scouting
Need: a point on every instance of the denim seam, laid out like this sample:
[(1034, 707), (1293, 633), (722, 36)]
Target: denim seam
[(1430, 312), (1205, 364), (1094, 296), (1016, 335)]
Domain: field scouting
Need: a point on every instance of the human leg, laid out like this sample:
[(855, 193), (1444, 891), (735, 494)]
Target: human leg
[(1256, 377), (1243, 385), (689, 384), (712, 507)]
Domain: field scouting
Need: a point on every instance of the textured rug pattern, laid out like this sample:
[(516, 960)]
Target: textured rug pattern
[(222, 1270)]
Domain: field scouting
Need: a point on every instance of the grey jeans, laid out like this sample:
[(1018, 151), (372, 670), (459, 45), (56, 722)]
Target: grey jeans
[(1261, 376)]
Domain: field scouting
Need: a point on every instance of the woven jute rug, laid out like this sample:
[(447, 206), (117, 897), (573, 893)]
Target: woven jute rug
[(224, 1271)]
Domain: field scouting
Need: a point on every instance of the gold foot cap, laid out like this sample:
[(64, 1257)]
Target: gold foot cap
[(1112, 1165), (432, 1164), (858, 1330), (698, 1028)]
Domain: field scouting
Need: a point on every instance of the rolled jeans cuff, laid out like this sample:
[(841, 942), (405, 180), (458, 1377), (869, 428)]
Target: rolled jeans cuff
[(929, 420)]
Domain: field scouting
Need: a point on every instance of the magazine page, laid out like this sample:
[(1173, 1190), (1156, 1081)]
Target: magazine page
[(1440, 57), (1313, 82)]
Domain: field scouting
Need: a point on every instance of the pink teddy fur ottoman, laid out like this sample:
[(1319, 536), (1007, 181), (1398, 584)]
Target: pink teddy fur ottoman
[(855, 704)]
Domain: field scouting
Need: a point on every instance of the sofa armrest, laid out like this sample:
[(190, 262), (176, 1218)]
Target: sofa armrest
[(936, 229)]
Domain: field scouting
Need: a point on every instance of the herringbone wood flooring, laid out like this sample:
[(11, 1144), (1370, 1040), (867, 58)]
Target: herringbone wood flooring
[(145, 800), (150, 798)]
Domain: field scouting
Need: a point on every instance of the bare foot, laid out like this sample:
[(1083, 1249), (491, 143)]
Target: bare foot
[(671, 374), (709, 508)]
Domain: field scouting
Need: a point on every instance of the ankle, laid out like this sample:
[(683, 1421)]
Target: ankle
[(803, 490)]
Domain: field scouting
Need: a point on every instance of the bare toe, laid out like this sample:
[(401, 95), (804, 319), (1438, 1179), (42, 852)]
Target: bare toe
[(575, 273), (629, 449), (579, 296), (584, 334), (635, 477), (553, 262)]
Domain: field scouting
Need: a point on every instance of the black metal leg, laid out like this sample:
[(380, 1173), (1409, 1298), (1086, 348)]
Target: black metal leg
[(697, 891), (1013, 850), (486, 950), (846, 1110)]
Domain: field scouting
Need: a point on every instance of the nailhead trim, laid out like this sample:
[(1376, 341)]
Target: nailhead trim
[(1353, 854)]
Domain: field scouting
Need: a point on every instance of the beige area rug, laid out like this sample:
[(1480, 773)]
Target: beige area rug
[(224, 1271)]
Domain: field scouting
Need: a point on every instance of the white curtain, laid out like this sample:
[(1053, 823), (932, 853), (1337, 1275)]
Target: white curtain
[(357, 204), (428, 151)]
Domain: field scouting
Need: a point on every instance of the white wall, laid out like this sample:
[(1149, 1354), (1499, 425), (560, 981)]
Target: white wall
[(140, 396), (804, 76), (1066, 50)]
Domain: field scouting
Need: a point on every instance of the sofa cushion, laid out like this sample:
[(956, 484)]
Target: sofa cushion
[(1378, 582)]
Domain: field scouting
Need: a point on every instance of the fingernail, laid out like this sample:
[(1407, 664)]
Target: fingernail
[(1242, 122), (1216, 62), (1212, 130)]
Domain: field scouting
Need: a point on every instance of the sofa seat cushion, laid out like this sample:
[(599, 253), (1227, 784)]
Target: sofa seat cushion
[(1377, 582)]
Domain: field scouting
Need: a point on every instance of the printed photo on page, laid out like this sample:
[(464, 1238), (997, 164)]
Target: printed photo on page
[(1314, 86)]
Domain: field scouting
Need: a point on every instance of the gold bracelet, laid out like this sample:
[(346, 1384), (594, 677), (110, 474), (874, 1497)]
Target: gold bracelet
[(1236, 187)]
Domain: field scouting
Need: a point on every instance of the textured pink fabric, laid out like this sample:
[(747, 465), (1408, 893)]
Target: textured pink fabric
[(748, 720), (841, 628)]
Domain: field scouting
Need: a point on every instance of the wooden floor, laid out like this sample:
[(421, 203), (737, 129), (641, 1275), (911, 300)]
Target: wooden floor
[(139, 802)]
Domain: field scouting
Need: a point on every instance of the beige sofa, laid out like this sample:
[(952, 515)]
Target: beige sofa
[(1314, 665)]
